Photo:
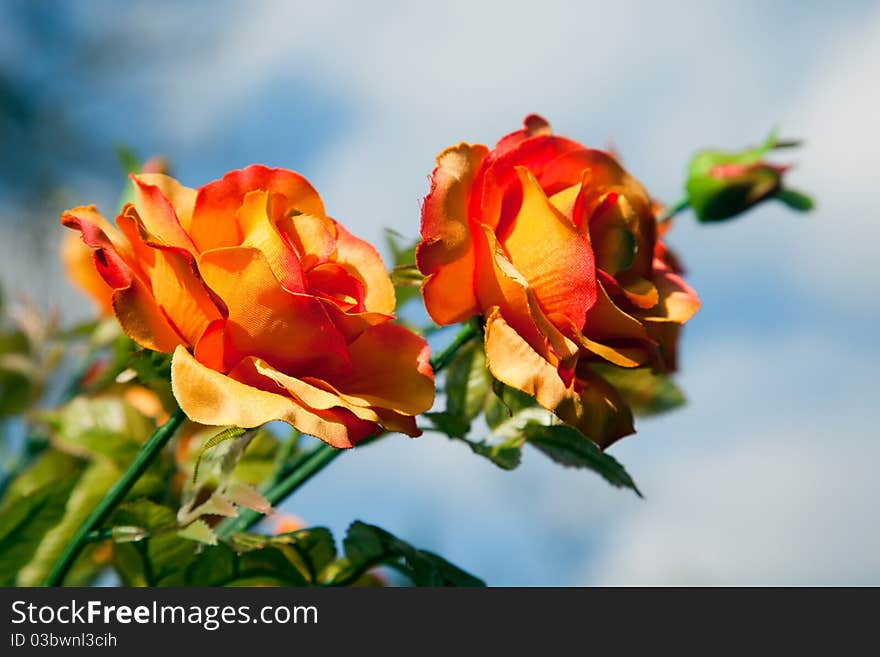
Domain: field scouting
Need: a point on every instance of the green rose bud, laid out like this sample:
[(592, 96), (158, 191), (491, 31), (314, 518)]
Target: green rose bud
[(722, 185)]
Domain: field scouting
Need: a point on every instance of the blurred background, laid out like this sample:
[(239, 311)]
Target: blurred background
[(767, 476)]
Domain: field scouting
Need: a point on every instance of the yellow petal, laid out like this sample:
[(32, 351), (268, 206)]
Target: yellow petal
[(260, 232), (591, 406), (547, 250), (212, 398)]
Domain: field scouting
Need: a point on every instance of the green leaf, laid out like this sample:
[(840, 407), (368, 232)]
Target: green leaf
[(508, 410), (403, 250), (16, 385), (25, 522), (48, 468), (107, 427), (452, 425), (264, 456), (199, 531), (795, 200), (89, 489), (310, 551), (227, 434), (367, 546), (404, 274), (158, 559), (566, 445), (467, 382), (271, 564), (506, 455), (645, 392)]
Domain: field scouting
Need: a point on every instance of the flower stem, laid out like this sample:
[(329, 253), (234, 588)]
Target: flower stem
[(317, 459), (669, 212), (467, 333), (114, 496)]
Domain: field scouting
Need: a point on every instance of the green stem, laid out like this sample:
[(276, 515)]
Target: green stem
[(310, 464), (668, 213), (114, 496), (467, 333)]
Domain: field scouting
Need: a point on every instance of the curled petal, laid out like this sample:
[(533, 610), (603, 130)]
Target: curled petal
[(551, 255), (174, 280), (614, 335), (212, 398), (257, 218), (317, 395), (181, 198), (313, 237), (158, 216), (497, 192), (362, 260), (105, 242), (534, 125), (499, 284), (79, 264), (143, 320), (138, 313), (446, 253), (216, 202), (678, 301), (588, 403)]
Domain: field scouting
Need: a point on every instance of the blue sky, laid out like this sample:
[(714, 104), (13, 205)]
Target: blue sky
[(766, 476)]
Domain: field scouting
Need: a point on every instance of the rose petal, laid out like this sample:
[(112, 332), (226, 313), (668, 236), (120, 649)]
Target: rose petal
[(316, 395), (217, 201), (173, 279), (79, 264), (105, 241), (551, 255), (596, 409), (290, 331), (335, 283), (182, 199), (446, 252), (614, 335), (363, 261), (143, 320), (212, 398), (137, 311), (158, 216), (313, 237), (498, 283), (390, 369), (256, 219), (678, 301)]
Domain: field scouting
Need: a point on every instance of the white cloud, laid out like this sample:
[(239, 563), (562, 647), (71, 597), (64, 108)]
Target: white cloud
[(771, 511)]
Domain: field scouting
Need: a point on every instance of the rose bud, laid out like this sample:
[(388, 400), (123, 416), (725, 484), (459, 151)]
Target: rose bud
[(722, 185)]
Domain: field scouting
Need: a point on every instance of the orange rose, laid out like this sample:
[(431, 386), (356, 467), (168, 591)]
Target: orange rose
[(557, 247), (273, 310)]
